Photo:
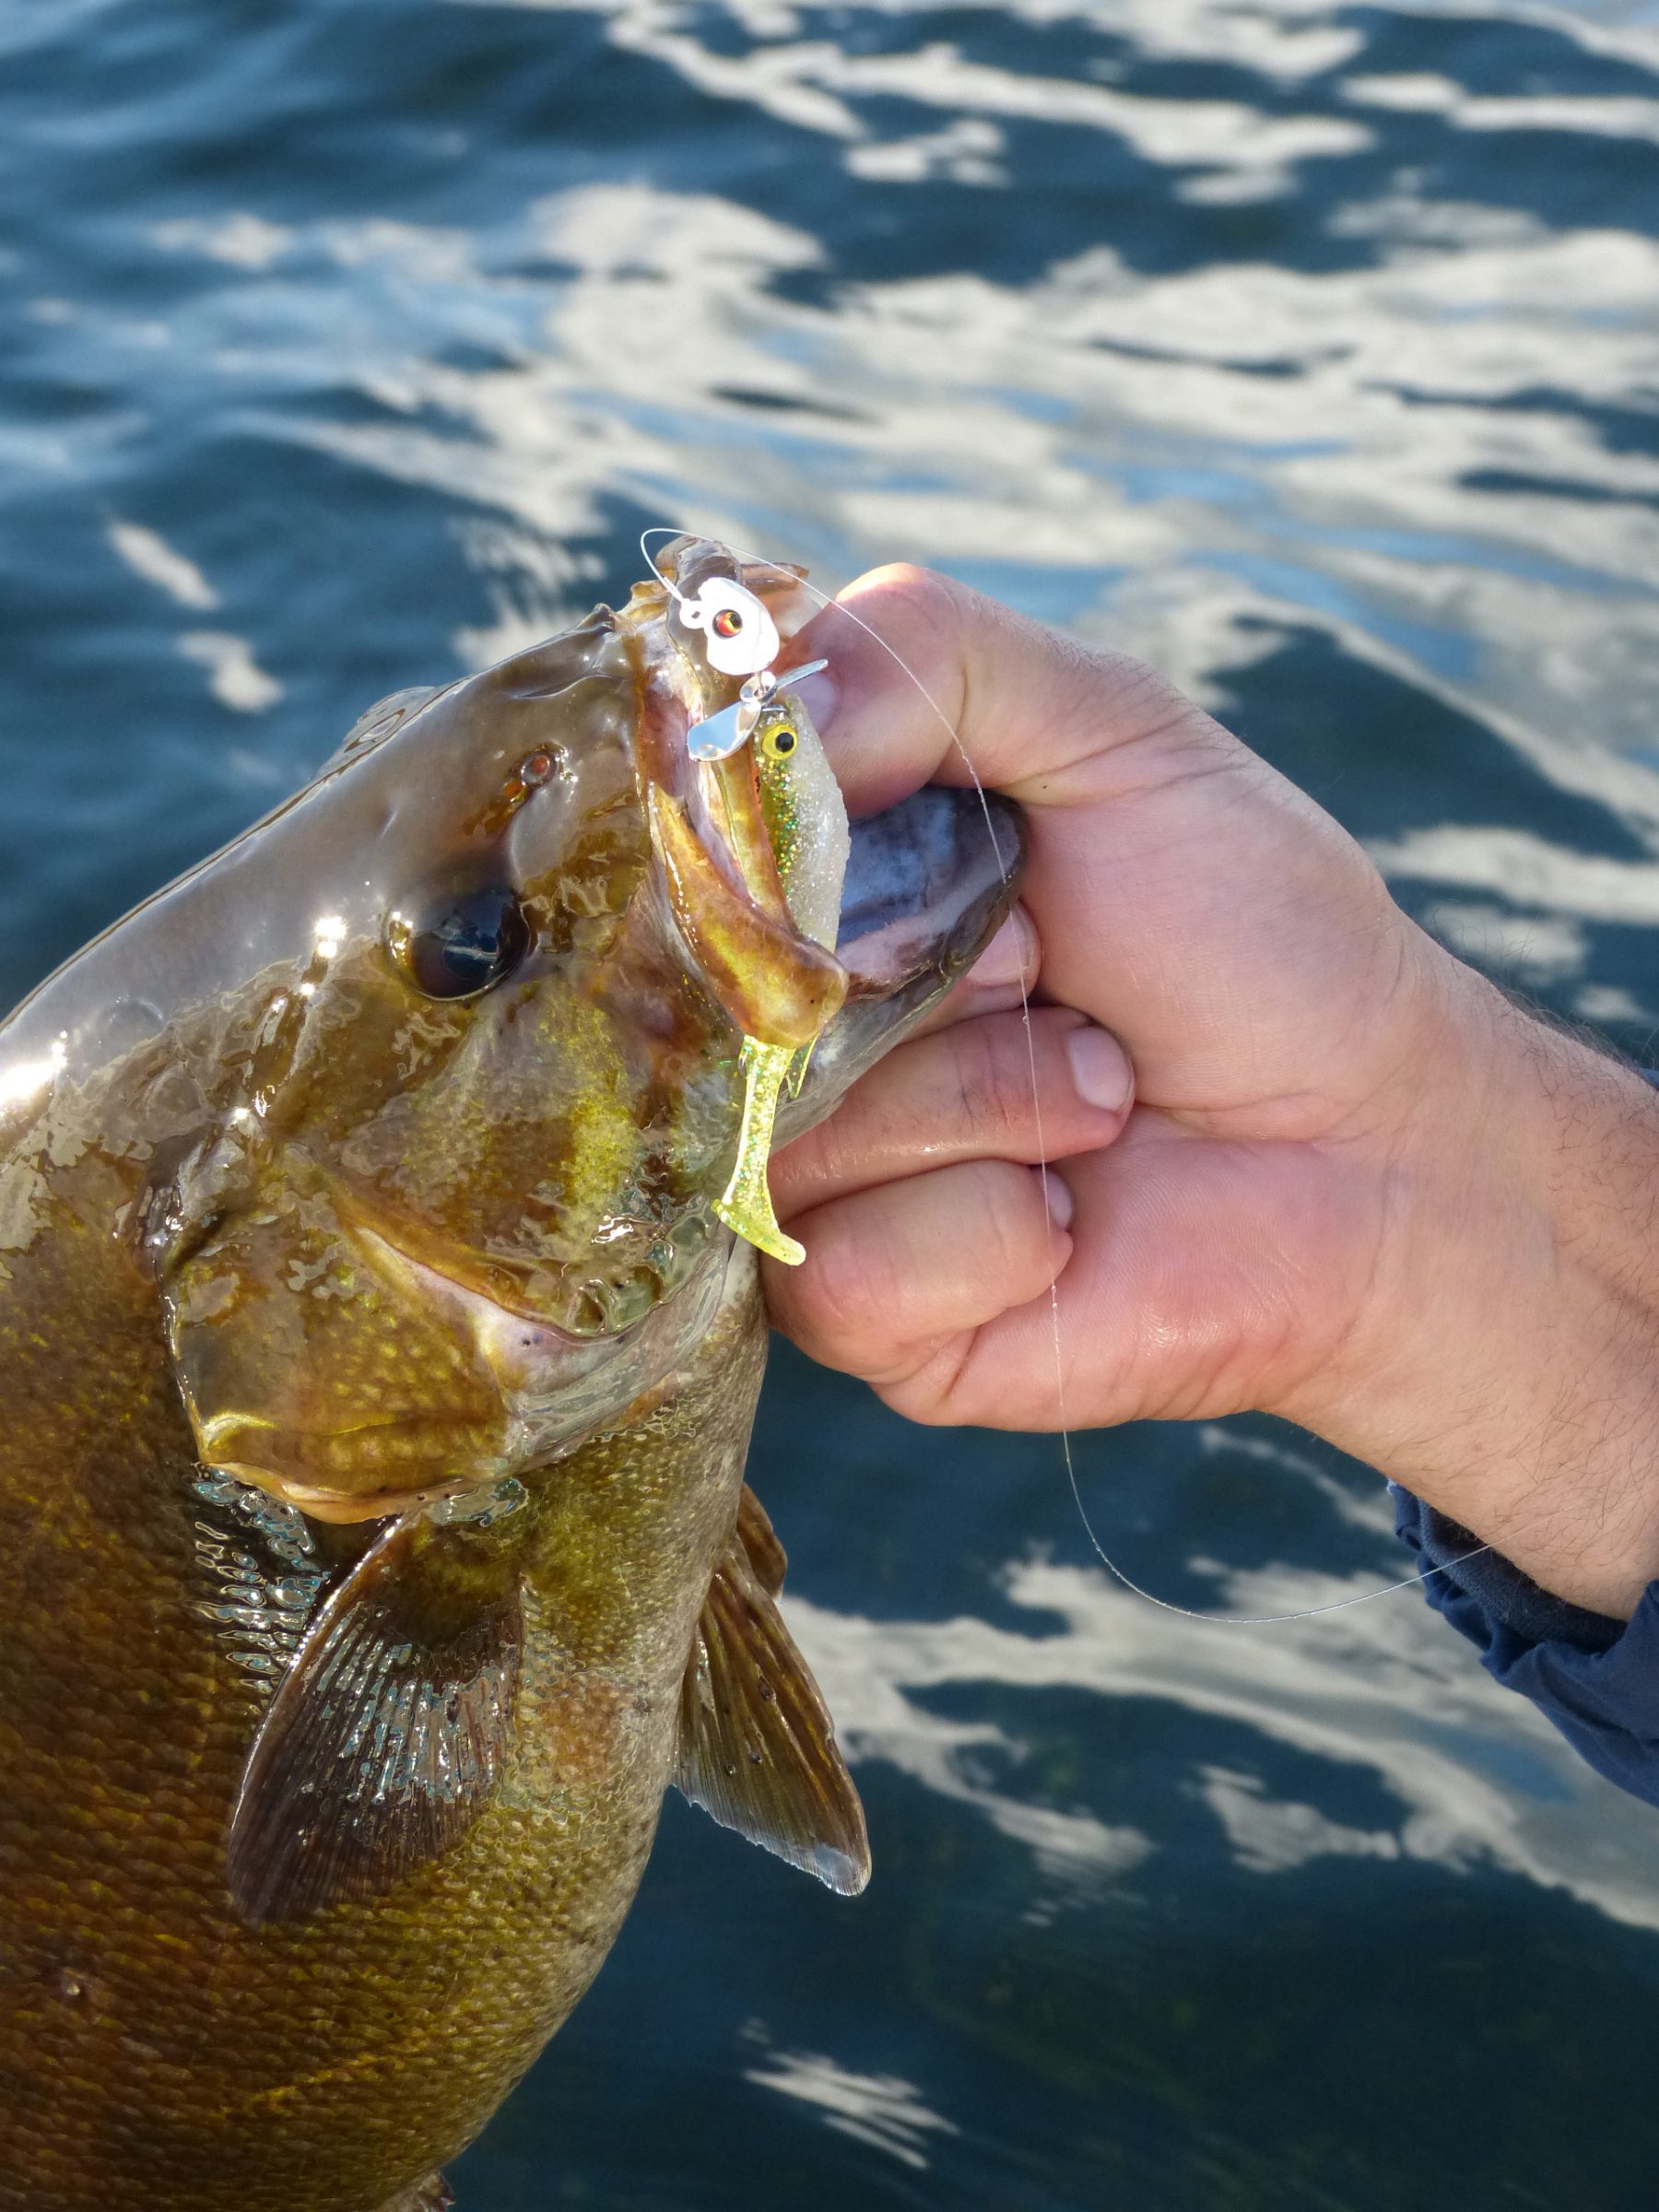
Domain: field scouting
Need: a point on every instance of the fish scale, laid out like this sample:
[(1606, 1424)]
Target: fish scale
[(373, 1547)]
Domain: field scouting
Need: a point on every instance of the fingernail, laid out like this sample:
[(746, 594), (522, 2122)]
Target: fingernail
[(1009, 955), (1100, 1069), (1057, 1197), (819, 695)]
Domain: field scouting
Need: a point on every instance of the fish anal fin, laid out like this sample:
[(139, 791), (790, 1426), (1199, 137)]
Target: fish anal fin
[(433, 2194), (758, 1538), (387, 1735), (757, 1747)]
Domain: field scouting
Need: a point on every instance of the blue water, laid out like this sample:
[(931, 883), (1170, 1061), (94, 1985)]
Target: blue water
[(1310, 352)]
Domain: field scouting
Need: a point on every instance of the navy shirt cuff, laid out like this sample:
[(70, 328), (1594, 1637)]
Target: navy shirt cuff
[(1597, 1679)]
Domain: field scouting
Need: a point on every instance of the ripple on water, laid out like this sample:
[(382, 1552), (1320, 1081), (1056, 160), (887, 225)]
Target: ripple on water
[(1313, 352)]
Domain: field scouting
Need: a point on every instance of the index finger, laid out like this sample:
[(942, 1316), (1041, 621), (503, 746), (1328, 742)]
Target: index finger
[(933, 682)]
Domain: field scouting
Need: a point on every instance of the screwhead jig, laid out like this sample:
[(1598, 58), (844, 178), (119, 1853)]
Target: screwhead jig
[(740, 638)]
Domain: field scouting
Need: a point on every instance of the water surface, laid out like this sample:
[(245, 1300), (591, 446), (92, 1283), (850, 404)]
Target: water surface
[(1310, 352)]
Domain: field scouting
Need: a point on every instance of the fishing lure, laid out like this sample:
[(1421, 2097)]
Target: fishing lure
[(745, 1202), (729, 614), (741, 638)]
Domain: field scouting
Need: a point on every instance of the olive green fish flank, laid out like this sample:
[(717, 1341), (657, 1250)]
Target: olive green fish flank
[(378, 1377)]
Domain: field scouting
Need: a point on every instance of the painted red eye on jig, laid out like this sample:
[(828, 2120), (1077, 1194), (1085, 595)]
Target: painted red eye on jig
[(742, 637)]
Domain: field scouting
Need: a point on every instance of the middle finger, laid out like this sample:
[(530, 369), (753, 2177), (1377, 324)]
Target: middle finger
[(984, 1089)]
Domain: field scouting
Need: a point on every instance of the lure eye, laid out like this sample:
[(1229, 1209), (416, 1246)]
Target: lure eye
[(742, 637), (777, 740), (462, 943)]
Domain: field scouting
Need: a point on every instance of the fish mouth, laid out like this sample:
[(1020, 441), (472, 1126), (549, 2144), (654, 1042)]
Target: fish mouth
[(475, 1385), (545, 1393), (929, 881)]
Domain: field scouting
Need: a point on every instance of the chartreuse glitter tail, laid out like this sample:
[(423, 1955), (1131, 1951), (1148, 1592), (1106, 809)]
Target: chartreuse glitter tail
[(790, 802), (746, 1203)]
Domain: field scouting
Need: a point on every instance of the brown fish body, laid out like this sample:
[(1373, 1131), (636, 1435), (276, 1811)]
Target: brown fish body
[(155, 2049), (376, 1383)]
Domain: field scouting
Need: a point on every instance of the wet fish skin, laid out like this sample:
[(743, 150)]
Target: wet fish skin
[(153, 2049), (158, 2045)]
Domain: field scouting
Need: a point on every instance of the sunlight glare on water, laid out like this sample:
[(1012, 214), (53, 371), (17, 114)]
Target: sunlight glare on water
[(1310, 352)]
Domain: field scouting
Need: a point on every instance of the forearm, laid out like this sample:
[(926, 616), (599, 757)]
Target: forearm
[(1504, 1363)]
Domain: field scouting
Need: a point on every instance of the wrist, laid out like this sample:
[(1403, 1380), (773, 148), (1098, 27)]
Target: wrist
[(1504, 1360)]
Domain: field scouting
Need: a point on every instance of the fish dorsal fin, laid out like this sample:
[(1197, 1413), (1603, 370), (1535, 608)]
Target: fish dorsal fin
[(388, 1733), (757, 1747), (379, 721)]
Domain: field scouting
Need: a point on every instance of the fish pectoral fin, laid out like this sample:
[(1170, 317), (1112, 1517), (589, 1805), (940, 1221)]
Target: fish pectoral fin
[(387, 1735), (757, 1746)]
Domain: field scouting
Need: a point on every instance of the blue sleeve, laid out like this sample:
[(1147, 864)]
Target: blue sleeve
[(1596, 1679)]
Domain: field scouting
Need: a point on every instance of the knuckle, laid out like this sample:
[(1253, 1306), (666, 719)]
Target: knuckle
[(844, 1294), (991, 1073), (1012, 1210), (1148, 709), (925, 1391), (930, 599), (931, 592), (1143, 694)]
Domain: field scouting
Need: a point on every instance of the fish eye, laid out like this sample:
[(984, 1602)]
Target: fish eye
[(777, 740), (462, 943)]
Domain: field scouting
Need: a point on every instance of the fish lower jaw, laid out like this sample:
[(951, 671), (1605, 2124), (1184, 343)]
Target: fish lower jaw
[(541, 1396), (344, 1476), (340, 1507)]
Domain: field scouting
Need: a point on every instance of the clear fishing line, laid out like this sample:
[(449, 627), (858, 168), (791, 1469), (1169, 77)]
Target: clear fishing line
[(1212, 1621)]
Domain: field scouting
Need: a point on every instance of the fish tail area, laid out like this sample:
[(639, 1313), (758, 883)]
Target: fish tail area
[(433, 2194)]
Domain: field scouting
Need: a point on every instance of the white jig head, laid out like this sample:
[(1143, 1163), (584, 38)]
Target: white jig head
[(742, 637)]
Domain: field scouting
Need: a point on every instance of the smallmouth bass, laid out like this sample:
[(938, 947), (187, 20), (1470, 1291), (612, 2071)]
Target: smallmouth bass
[(378, 1378)]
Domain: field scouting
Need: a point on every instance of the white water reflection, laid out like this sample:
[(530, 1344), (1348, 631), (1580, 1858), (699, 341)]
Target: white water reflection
[(148, 555), (1277, 1836), (234, 676), (242, 239), (882, 2110), (1479, 1780), (1527, 868), (1425, 95), (1400, 445)]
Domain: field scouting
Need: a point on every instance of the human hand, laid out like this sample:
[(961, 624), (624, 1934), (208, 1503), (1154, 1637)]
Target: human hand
[(1357, 1187)]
